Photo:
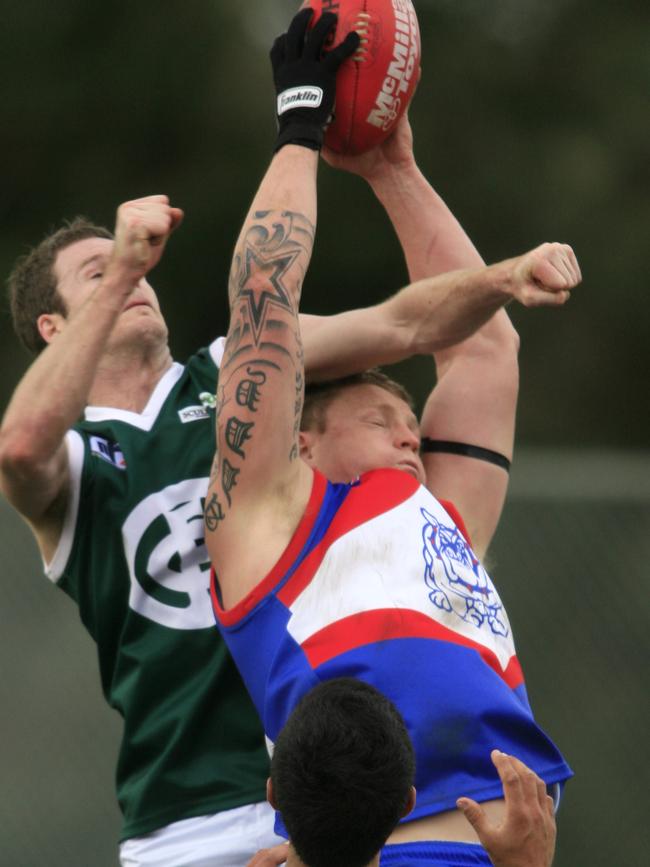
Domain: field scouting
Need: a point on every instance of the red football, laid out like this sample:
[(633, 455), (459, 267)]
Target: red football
[(374, 86)]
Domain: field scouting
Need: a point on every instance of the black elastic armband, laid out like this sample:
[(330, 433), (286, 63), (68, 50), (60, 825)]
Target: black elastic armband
[(478, 452)]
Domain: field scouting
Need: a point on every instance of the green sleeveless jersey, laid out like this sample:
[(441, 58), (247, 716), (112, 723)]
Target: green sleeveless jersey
[(132, 556)]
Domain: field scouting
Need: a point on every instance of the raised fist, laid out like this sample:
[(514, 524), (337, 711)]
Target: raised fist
[(142, 228), (545, 276)]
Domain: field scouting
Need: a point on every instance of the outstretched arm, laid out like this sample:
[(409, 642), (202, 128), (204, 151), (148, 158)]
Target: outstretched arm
[(52, 394), (259, 488), (416, 320), (432, 239), (472, 408), (474, 401)]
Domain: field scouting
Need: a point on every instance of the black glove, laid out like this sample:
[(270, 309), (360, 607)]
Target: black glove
[(305, 78)]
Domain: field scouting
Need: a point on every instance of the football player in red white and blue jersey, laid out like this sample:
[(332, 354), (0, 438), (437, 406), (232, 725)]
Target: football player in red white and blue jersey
[(344, 563)]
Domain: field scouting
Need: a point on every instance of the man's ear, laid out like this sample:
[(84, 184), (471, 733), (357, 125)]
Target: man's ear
[(49, 325), (306, 444), (410, 803), (269, 793)]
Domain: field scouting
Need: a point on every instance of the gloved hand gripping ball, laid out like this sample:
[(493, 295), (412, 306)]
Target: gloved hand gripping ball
[(305, 78)]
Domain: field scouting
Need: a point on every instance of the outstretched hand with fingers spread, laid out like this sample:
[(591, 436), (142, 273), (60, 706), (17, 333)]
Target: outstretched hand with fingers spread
[(526, 837)]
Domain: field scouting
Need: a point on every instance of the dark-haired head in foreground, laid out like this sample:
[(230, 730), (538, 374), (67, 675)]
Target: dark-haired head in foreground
[(342, 774)]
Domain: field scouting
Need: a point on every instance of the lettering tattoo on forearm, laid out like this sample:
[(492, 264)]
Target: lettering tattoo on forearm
[(248, 390), (213, 513), (264, 288), (247, 394), (236, 433), (229, 478)]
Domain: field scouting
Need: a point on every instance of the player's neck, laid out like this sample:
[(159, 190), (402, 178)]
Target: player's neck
[(126, 379)]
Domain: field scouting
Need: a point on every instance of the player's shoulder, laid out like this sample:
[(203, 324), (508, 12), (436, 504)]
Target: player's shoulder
[(383, 489), (215, 350), (390, 478), (389, 487), (209, 356)]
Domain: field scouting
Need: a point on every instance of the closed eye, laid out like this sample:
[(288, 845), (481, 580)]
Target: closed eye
[(376, 422)]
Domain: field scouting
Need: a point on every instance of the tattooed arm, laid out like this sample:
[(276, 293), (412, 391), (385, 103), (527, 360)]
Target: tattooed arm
[(259, 489)]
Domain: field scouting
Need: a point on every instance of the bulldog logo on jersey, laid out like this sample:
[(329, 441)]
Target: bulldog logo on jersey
[(167, 558), (457, 580)]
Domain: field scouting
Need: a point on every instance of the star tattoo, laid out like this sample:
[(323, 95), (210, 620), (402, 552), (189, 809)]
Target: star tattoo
[(261, 285)]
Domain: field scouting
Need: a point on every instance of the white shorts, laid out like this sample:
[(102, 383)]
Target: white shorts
[(227, 839)]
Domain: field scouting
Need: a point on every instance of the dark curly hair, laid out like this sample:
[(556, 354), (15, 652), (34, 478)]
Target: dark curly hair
[(32, 285), (342, 771)]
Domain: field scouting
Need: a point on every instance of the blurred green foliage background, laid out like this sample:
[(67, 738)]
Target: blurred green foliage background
[(532, 119)]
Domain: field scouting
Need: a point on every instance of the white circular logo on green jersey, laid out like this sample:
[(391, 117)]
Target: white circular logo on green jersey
[(167, 558)]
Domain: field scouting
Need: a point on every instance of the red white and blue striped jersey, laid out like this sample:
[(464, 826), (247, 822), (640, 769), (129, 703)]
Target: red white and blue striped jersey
[(379, 582)]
